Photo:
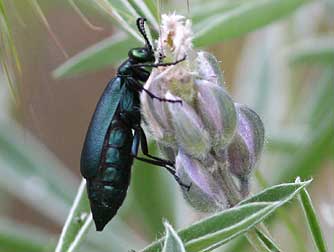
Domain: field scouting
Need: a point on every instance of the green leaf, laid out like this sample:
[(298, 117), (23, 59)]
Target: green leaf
[(312, 220), (141, 196), (313, 50), (321, 100), (200, 11), (77, 224), (289, 142), (242, 19), (143, 9), (17, 238), (123, 13), (241, 219), (237, 19), (43, 183), (105, 53), (38, 176), (269, 243), (276, 193), (151, 4), (220, 228), (173, 242), (9, 59), (308, 158)]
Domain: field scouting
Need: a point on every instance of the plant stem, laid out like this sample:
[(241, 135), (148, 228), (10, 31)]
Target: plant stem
[(312, 220), (291, 227), (234, 197), (255, 242)]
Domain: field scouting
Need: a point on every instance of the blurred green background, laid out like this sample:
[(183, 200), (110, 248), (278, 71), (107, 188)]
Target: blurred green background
[(282, 67)]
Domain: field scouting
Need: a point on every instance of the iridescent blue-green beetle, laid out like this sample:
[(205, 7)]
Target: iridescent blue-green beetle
[(114, 134)]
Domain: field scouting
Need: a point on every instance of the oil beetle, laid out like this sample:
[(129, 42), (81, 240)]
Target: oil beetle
[(114, 134)]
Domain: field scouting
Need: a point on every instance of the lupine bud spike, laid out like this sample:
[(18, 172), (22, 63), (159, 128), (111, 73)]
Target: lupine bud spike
[(189, 130)]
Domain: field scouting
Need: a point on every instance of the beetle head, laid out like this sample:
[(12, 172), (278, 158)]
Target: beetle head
[(142, 54)]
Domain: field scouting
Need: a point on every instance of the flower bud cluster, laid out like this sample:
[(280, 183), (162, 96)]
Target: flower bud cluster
[(214, 142)]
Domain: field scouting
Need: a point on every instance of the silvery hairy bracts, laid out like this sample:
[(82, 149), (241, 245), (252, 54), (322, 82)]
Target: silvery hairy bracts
[(214, 141)]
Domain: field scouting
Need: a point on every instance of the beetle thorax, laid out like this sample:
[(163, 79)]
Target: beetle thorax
[(126, 68)]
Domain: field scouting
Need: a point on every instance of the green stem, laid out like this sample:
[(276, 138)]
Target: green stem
[(267, 240), (312, 220), (291, 227), (255, 242), (229, 187), (234, 197)]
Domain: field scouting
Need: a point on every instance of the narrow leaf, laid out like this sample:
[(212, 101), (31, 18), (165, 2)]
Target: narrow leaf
[(144, 11), (200, 11), (218, 229), (110, 8), (44, 184), (245, 221), (242, 19), (173, 242), (40, 13), (312, 220), (269, 243), (277, 192), (308, 158), (152, 5), (157, 178), (9, 59), (105, 53), (17, 238), (77, 222), (83, 17), (38, 176), (321, 100), (313, 50)]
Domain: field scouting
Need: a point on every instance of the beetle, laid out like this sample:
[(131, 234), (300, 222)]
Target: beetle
[(114, 134)]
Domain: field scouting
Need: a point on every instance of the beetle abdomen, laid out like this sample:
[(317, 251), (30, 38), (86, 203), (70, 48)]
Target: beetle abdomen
[(98, 129), (108, 189), (105, 200)]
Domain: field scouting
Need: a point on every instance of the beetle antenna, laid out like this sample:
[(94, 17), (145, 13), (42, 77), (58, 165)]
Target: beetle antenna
[(141, 28)]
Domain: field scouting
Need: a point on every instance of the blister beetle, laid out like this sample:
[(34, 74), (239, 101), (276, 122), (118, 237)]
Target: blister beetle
[(114, 134)]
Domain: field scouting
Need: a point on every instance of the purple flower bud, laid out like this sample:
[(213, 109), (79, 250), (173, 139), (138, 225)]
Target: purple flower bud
[(245, 149), (189, 129), (214, 142), (208, 68), (205, 193), (217, 110), (157, 118)]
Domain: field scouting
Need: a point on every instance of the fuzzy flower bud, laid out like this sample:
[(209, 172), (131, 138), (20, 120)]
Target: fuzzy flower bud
[(245, 149), (217, 111), (208, 68), (189, 130), (214, 142), (206, 193)]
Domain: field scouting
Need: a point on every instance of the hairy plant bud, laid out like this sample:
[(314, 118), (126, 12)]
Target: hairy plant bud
[(157, 117), (189, 130), (245, 149), (214, 142), (208, 68), (217, 110), (205, 193)]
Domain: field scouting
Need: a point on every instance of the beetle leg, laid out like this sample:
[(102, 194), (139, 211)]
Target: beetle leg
[(169, 169), (153, 96), (137, 86), (140, 138), (158, 64), (155, 161), (144, 147), (141, 74)]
